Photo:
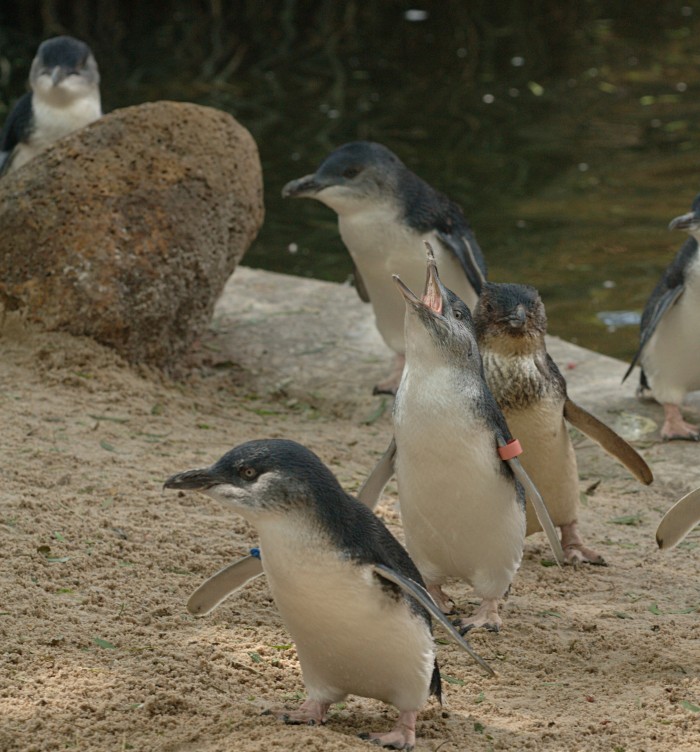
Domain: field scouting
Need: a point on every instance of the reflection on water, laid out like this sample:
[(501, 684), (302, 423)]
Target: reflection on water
[(568, 138)]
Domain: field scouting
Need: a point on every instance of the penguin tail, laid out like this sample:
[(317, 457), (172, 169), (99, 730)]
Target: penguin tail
[(436, 683)]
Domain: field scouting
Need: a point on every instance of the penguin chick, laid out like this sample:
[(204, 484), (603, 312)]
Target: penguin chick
[(64, 96), (385, 213), (668, 349), (462, 509), (511, 325), (323, 552)]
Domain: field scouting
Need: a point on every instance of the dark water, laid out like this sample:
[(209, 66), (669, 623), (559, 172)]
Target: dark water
[(569, 135)]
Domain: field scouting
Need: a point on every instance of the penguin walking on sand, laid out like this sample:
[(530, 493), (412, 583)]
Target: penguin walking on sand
[(385, 213), (669, 347), (350, 596), (511, 324), (462, 507), (64, 96)]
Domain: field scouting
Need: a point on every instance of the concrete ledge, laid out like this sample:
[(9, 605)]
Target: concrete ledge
[(315, 342)]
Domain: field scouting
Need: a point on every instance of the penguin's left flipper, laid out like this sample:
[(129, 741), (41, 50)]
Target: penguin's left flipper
[(610, 441), (412, 588), (223, 584), (372, 488), (360, 285), (468, 253), (680, 519), (663, 304), (537, 504)]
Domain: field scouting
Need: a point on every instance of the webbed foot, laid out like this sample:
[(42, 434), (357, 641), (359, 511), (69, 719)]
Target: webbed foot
[(402, 736)]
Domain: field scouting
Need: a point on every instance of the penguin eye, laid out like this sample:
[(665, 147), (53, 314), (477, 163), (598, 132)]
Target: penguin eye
[(248, 473), (351, 172)]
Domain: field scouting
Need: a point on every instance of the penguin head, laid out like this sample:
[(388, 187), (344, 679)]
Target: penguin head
[(355, 175), (439, 320), (262, 478), (64, 69), (509, 317), (689, 222)]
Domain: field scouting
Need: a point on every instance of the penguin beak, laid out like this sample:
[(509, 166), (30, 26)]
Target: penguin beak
[(517, 318), (306, 186), (433, 292), (685, 222), (200, 479), (59, 74)]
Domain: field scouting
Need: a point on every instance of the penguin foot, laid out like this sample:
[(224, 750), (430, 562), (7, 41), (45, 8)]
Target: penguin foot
[(442, 600), (575, 553), (402, 736), (675, 428), (310, 713), (486, 617), (391, 383)]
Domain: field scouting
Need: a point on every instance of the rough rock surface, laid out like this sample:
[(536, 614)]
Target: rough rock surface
[(128, 230)]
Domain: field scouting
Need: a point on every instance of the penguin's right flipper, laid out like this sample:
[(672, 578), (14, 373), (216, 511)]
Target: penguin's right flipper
[(418, 592), (613, 444), (223, 584), (372, 488), (680, 519), (663, 304)]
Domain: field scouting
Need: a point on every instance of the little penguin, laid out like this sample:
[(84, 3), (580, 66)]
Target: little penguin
[(350, 596), (669, 350), (385, 213), (64, 96), (511, 324), (462, 509)]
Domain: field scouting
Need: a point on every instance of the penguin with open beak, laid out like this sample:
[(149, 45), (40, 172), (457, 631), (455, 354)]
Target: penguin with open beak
[(462, 507), (350, 596), (511, 324)]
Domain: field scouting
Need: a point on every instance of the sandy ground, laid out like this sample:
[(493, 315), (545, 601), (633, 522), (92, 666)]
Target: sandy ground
[(99, 653)]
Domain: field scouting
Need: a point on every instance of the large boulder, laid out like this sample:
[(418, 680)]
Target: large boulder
[(127, 230)]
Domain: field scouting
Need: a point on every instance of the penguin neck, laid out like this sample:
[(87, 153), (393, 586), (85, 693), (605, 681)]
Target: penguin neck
[(529, 344)]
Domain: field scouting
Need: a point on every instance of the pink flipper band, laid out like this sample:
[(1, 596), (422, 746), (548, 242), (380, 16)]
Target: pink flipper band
[(510, 450)]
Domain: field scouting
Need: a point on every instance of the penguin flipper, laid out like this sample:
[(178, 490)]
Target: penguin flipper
[(374, 485), (538, 505), (360, 285), (467, 251), (663, 304), (613, 444), (414, 590), (223, 584), (17, 123), (679, 520)]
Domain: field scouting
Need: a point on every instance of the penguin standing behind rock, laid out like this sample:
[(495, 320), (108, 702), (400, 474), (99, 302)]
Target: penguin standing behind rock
[(669, 348), (65, 96), (462, 508), (385, 213), (510, 325), (349, 594)]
